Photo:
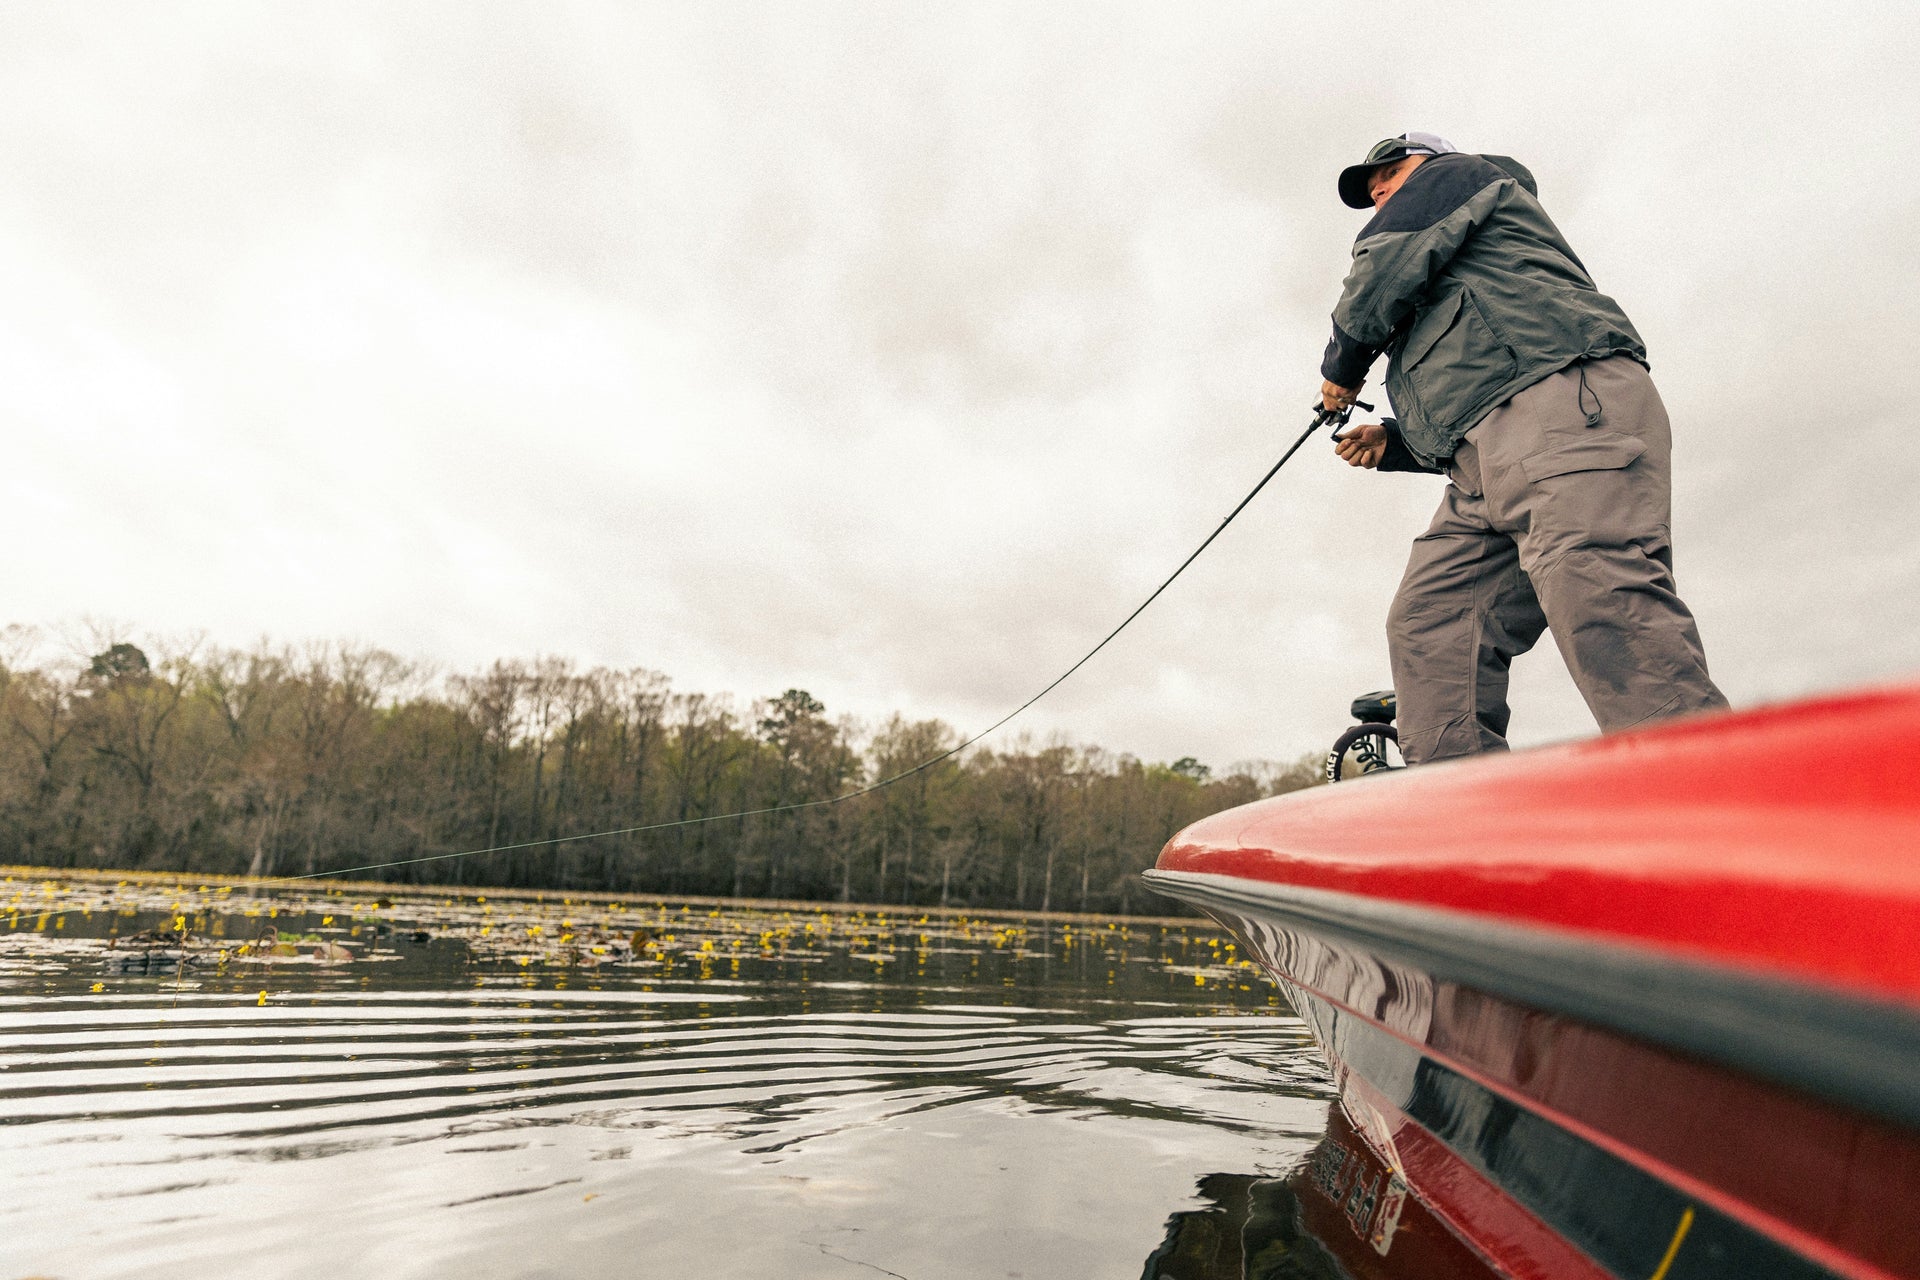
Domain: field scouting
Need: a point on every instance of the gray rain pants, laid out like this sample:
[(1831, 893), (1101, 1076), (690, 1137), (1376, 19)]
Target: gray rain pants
[(1549, 523)]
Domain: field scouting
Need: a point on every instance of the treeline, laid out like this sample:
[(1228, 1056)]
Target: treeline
[(279, 762)]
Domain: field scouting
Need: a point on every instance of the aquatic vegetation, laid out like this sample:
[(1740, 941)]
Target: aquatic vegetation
[(159, 924)]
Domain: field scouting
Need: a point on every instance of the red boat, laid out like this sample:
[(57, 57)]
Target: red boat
[(1644, 1007)]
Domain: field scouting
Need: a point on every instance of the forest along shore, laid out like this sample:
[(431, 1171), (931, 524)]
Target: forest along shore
[(209, 761)]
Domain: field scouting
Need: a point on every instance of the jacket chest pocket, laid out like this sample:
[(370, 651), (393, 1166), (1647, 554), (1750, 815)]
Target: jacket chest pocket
[(1454, 360), (1429, 329)]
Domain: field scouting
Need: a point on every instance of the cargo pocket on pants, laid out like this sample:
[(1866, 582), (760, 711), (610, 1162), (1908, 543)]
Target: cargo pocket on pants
[(1596, 453)]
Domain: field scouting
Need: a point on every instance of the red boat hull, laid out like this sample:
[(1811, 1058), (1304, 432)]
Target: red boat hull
[(1648, 1006)]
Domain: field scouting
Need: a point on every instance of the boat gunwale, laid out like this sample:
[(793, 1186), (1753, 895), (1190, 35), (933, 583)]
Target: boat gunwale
[(1855, 1051)]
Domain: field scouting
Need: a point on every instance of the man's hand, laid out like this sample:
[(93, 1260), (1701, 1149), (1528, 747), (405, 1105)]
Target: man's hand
[(1334, 396), (1363, 446)]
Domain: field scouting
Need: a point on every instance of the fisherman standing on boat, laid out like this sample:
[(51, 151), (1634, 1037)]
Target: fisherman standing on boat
[(1528, 389)]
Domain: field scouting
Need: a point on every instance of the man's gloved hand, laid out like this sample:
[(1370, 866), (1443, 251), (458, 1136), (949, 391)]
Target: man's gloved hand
[(1363, 446), (1334, 396)]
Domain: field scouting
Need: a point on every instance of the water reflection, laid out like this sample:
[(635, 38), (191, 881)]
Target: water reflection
[(749, 1092), (1339, 1214), (1252, 1228)]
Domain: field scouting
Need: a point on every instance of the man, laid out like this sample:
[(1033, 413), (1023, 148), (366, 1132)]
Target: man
[(1528, 389)]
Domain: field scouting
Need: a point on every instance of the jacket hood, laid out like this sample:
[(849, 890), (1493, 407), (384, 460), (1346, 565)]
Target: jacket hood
[(1520, 172)]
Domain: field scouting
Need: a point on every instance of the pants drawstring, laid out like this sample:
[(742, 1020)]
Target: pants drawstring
[(1593, 418)]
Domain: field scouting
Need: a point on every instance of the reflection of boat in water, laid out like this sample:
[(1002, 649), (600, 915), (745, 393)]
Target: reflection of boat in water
[(1646, 1006), (1342, 1214)]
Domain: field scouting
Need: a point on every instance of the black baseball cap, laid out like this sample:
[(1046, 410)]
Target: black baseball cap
[(1353, 178)]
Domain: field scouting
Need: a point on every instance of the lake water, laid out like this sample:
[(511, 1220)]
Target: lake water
[(326, 1082)]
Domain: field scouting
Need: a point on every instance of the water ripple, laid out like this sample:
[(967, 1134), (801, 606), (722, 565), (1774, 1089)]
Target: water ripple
[(749, 1094), (327, 1062)]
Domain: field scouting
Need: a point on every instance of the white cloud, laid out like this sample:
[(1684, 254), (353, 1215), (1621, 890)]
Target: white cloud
[(898, 351)]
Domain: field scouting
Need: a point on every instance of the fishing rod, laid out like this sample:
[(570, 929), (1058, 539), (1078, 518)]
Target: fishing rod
[(1335, 417), (1322, 416)]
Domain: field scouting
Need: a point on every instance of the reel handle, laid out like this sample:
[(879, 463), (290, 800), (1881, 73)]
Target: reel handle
[(1338, 417)]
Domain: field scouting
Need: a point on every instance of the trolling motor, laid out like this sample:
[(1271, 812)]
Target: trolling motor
[(1371, 746)]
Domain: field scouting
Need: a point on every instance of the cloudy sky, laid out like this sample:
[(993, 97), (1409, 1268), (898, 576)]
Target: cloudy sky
[(897, 350)]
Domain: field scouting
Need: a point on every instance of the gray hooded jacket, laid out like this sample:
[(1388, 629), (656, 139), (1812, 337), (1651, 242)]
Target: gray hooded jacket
[(1466, 284)]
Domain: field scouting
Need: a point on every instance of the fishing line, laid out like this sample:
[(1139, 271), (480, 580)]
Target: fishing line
[(1322, 417)]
